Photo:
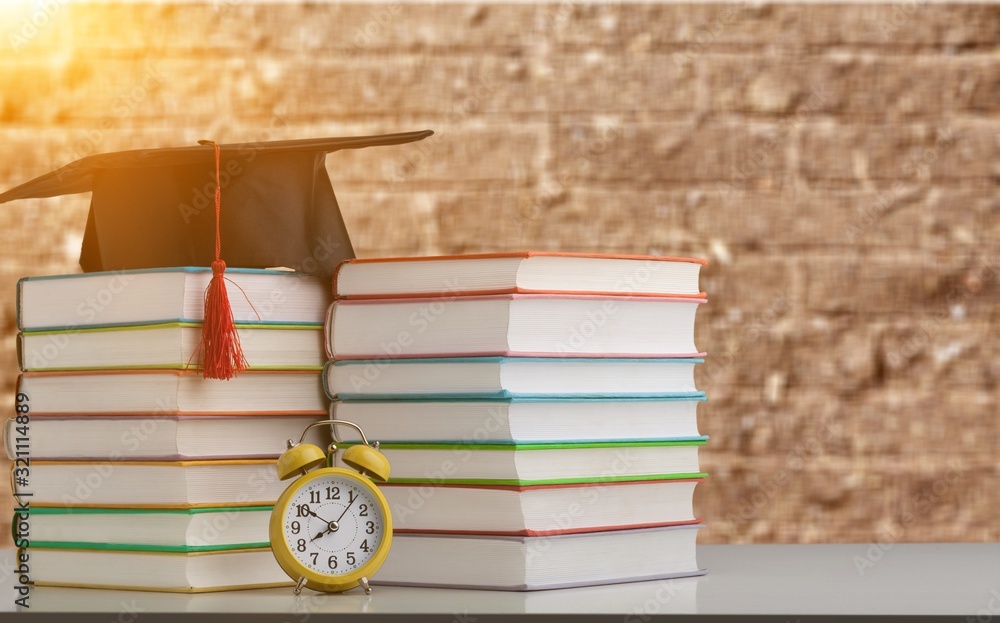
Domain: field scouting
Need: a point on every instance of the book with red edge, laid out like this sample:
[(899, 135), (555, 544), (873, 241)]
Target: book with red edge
[(518, 272)]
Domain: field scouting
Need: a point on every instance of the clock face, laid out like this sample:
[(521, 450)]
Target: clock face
[(333, 525)]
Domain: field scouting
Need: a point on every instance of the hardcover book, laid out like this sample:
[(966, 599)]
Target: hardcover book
[(211, 528), (154, 484), (524, 272), (543, 464), (540, 510), (172, 392), (536, 325), (546, 562), (174, 572), (522, 419), (511, 377), (165, 295), (173, 346), (162, 437)]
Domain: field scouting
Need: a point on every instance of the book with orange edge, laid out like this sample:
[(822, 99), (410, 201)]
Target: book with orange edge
[(434, 507), (520, 272), (152, 484)]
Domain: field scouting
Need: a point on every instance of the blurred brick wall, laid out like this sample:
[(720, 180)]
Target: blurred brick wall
[(836, 164)]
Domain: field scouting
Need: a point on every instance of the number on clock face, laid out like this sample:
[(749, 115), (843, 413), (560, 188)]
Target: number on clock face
[(333, 525)]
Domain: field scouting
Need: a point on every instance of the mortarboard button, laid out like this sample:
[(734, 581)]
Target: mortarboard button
[(154, 208)]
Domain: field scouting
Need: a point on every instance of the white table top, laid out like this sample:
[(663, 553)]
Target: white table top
[(781, 580)]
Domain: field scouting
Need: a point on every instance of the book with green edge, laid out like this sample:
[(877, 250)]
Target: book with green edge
[(154, 484), (208, 529), (170, 346), (543, 464)]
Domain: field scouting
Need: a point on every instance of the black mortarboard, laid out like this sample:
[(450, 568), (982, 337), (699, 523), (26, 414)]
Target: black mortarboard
[(155, 207)]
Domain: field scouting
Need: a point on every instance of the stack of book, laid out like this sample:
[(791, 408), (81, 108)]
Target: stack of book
[(538, 411), (142, 473)]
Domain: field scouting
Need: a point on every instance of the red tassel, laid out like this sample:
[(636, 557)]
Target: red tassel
[(223, 356)]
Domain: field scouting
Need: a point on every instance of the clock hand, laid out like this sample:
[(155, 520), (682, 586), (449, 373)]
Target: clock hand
[(347, 508), (333, 525), (310, 512)]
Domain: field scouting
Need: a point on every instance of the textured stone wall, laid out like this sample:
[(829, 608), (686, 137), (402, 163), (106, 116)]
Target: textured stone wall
[(837, 165)]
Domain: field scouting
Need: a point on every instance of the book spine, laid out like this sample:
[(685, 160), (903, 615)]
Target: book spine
[(18, 304), (336, 278), (20, 353), (8, 433), (328, 324), (327, 383)]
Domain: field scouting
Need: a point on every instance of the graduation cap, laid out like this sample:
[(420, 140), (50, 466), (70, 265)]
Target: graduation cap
[(263, 204), (153, 208)]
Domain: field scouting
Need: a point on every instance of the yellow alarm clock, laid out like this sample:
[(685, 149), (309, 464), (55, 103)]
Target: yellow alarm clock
[(331, 529)]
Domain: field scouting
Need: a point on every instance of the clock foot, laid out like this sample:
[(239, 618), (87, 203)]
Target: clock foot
[(299, 585), (365, 585)]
